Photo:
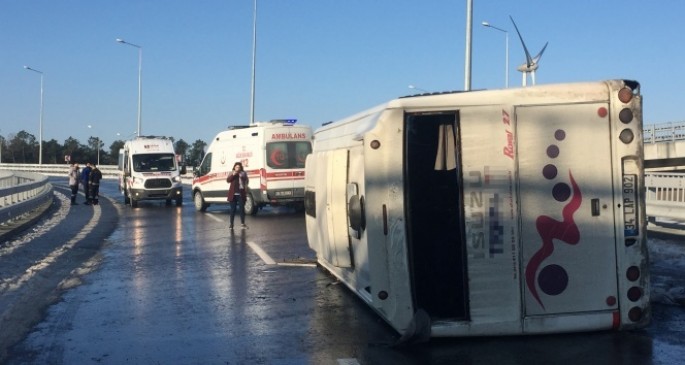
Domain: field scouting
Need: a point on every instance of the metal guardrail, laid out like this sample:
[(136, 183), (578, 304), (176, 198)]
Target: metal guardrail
[(664, 132), (108, 171), (665, 195), (21, 193), (665, 191), (25, 187)]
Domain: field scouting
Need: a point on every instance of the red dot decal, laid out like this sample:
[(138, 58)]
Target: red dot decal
[(602, 112)]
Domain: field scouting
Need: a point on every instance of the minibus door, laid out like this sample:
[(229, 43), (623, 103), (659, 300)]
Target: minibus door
[(567, 229)]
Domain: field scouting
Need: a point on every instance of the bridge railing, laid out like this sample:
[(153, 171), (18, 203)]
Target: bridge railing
[(20, 193), (664, 132), (665, 191), (665, 195), (108, 171)]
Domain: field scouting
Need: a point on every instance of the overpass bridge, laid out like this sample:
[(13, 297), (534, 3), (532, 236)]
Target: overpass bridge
[(664, 146)]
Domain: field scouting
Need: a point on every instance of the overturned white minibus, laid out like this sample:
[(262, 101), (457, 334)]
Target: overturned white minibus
[(501, 212)]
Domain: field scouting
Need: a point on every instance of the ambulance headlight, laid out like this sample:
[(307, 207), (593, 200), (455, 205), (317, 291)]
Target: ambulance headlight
[(176, 179)]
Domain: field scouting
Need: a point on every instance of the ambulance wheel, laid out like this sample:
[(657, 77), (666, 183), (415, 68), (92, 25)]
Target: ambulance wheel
[(250, 207), (199, 202), (134, 203)]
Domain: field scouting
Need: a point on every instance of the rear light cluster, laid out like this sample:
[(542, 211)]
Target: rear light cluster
[(634, 294), (625, 95)]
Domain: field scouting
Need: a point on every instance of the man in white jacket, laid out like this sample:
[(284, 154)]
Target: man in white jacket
[(74, 176)]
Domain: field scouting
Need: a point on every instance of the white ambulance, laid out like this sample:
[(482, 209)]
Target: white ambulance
[(150, 170), (494, 212), (273, 155)]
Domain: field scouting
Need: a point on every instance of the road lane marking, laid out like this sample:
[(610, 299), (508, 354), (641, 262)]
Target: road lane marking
[(211, 215), (269, 261), (294, 264), (348, 362), (265, 257)]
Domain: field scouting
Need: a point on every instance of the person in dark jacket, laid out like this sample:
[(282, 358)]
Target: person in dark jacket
[(94, 184), (84, 181), (237, 192)]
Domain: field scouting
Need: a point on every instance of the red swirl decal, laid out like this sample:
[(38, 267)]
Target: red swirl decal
[(550, 229)]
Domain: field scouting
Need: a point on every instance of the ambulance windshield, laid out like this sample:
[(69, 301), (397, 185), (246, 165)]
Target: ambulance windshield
[(154, 162)]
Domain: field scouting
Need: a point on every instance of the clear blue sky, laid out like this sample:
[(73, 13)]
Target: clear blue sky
[(317, 60)]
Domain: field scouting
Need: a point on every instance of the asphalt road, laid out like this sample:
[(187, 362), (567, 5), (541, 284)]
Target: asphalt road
[(167, 285)]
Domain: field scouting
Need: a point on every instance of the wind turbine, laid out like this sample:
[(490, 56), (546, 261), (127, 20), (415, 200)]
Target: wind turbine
[(531, 62)]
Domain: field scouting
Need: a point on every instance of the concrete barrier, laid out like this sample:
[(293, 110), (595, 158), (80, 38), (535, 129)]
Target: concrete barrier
[(665, 195), (22, 193)]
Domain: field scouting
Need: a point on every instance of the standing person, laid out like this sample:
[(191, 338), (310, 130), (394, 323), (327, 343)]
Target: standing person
[(94, 183), (84, 181), (237, 192), (74, 177)]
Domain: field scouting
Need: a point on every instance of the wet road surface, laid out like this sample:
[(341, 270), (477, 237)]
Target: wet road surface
[(174, 286)]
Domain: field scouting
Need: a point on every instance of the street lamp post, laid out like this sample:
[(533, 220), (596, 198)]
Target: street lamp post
[(40, 127), (140, 78), (506, 52), (254, 61), (97, 141)]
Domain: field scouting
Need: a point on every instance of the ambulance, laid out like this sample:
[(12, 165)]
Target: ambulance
[(272, 153), (492, 212), (149, 169)]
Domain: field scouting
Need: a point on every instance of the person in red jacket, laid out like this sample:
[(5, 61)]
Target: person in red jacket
[(237, 192)]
